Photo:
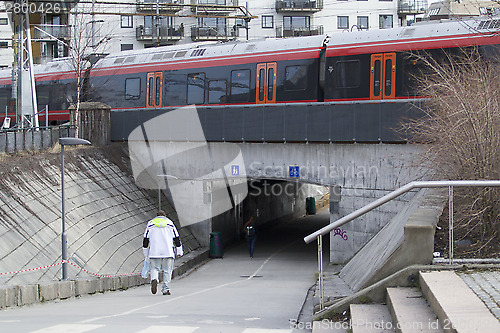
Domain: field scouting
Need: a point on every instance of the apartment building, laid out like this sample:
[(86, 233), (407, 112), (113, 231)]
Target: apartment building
[(118, 25)]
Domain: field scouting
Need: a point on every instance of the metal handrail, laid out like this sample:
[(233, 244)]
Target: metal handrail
[(394, 194), (386, 198)]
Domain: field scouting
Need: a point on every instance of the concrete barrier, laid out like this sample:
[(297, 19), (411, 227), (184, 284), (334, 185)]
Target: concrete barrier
[(48, 291), (27, 294), (11, 296), (8, 296)]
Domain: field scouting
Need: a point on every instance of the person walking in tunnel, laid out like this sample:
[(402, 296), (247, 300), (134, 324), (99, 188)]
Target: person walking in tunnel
[(250, 229), (161, 244)]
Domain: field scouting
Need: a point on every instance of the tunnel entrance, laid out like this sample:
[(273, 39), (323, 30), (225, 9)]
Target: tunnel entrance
[(274, 204)]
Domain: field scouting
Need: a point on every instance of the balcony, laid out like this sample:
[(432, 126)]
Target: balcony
[(299, 5), (161, 33), (410, 7), (212, 34), (164, 6), (214, 6), (299, 31), (51, 32)]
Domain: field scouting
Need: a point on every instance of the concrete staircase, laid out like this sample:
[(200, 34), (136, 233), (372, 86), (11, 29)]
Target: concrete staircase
[(443, 303)]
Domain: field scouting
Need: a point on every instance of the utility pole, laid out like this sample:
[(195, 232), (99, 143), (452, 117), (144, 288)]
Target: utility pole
[(23, 77)]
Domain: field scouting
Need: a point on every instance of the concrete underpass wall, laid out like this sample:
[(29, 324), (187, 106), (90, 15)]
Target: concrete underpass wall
[(106, 214), (204, 178)]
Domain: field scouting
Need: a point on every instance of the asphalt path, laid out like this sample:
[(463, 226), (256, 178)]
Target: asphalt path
[(233, 294)]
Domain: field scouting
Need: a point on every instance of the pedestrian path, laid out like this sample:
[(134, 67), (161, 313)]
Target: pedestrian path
[(82, 328)]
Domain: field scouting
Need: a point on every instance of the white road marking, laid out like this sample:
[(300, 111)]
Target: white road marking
[(68, 328), (266, 330), (168, 329)]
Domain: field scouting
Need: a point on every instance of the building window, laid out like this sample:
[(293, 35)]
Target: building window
[(127, 21), (362, 22), (126, 47), (296, 22), (4, 45), (267, 22), (385, 21), (133, 88), (342, 22), (211, 26), (4, 21)]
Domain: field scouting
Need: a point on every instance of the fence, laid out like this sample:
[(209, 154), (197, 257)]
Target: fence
[(16, 140)]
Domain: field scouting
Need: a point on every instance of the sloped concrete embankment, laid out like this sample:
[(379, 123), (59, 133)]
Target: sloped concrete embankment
[(106, 214)]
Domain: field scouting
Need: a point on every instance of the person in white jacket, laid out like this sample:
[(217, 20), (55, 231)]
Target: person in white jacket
[(161, 245)]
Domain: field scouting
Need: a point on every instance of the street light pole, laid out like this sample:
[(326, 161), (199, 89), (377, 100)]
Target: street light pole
[(64, 256)]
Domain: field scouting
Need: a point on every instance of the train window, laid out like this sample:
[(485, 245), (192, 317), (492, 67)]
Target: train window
[(158, 90), (295, 78), (151, 89), (262, 84), (157, 56), (168, 55), (119, 60), (129, 59), (270, 84), (240, 85), (133, 88), (347, 74), (376, 75), (217, 90), (180, 54), (388, 76), (196, 88)]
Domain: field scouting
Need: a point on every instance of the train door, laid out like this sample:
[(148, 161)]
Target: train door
[(266, 83), (383, 76), (154, 89)]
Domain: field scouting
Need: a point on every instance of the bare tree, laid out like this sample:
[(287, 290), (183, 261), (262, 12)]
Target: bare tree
[(83, 51), (461, 126)]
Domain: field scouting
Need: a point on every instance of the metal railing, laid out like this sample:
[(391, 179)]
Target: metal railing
[(386, 198), (299, 31)]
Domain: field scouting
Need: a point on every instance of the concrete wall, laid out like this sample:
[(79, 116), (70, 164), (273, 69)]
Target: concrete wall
[(364, 173), (106, 214)]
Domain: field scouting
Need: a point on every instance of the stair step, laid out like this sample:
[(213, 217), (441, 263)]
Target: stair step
[(411, 312), (457, 307), (371, 318)]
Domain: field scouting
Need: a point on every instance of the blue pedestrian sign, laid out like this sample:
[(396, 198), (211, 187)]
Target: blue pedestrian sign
[(293, 171), (235, 170)]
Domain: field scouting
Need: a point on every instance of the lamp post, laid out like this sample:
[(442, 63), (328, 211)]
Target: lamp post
[(66, 142)]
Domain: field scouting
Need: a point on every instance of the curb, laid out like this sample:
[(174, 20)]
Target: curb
[(16, 296)]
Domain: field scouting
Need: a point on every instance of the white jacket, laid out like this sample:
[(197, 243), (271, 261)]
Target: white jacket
[(161, 239)]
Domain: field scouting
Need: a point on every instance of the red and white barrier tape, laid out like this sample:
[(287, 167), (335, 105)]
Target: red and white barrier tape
[(72, 264)]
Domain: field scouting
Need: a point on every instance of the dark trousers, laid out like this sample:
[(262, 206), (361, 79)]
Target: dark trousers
[(251, 245)]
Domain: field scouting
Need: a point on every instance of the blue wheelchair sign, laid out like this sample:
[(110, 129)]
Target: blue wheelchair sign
[(293, 171)]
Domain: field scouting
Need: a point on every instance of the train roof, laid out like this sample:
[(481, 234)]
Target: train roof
[(421, 35), (209, 50), (400, 38)]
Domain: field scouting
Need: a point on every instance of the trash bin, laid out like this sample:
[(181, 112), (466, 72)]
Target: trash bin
[(216, 245), (310, 205)]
